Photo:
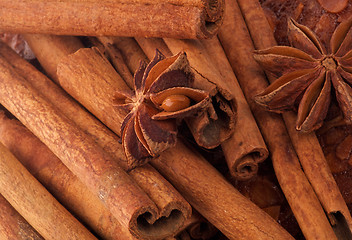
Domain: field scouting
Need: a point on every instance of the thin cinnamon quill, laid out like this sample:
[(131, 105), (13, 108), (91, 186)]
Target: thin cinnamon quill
[(51, 172), (13, 225), (185, 169), (94, 167), (171, 18), (307, 146), (237, 44), (242, 158), (35, 203), (172, 209), (245, 149)]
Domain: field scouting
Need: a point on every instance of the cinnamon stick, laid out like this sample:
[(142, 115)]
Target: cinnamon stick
[(245, 149), (242, 158), (172, 209), (171, 18), (307, 146), (188, 171), (237, 44), (13, 225), (51, 172), (34, 202), (94, 167)]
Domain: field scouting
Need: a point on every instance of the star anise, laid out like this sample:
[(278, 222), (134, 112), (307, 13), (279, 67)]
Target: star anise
[(306, 72), (162, 96)]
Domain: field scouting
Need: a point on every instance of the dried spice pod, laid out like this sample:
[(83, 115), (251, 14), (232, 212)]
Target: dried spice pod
[(162, 94), (307, 72)]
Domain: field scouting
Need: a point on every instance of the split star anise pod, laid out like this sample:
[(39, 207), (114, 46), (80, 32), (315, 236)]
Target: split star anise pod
[(162, 96), (306, 73)]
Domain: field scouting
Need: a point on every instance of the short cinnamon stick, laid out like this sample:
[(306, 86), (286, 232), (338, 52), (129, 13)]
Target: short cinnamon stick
[(237, 44), (307, 146), (13, 225), (56, 177), (170, 207), (34, 202), (171, 18)]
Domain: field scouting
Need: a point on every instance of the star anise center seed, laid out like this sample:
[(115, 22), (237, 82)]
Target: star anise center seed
[(175, 103), (329, 63)]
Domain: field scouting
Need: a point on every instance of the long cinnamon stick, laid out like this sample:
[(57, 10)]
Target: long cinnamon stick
[(13, 225), (238, 46), (307, 146), (242, 158), (172, 18), (171, 209), (34, 202), (51, 172), (189, 172), (94, 167)]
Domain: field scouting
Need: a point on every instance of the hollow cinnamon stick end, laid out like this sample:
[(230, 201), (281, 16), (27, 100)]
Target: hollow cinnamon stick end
[(145, 225), (213, 19), (246, 167)]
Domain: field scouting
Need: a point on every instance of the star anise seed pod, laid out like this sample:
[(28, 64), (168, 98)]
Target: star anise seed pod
[(306, 71), (162, 95)]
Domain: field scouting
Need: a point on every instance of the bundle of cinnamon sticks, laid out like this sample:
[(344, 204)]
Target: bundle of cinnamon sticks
[(233, 171)]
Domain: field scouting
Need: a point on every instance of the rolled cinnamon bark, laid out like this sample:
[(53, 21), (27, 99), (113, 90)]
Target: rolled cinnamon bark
[(35, 203), (237, 44), (186, 170), (62, 183), (162, 18), (13, 225), (307, 146), (245, 149), (168, 201)]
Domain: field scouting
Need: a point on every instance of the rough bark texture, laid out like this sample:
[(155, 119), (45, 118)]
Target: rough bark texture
[(13, 225), (35, 203)]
